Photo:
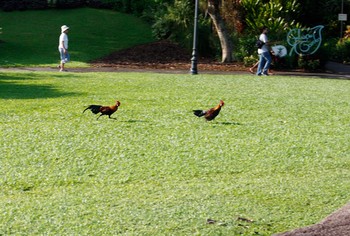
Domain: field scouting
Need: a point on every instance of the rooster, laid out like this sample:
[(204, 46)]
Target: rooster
[(211, 113), (104, 110)]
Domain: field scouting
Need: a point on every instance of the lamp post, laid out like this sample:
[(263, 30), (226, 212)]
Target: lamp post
[(195, 37), (341, 22)]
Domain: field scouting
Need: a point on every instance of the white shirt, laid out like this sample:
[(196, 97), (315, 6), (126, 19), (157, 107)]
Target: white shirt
[(64, 39), (263, 37)]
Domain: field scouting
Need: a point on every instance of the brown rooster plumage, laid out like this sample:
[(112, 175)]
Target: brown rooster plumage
[(211, 113), (104, 110)]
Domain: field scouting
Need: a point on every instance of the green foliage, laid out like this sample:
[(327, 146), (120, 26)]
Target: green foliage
[(207, 40), (339, 49), (94, 33), (250, 60), (277, 15), (343, 47), (65, 4), (308, 62), (343, 50), (328, 46), (138, 8), (316, 12), (13, 5), (278, 153), (244, 46), (323, 12), (175, 22)]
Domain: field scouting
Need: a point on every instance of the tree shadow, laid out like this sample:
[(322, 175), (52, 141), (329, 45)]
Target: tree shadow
[(11, 88)]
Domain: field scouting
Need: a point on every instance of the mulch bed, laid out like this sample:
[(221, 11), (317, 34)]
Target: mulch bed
[(162, 55)]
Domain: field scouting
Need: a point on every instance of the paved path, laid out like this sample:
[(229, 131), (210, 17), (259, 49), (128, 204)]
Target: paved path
[(338, 68)]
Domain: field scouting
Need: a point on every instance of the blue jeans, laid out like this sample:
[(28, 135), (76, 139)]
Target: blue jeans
[(264, 63)]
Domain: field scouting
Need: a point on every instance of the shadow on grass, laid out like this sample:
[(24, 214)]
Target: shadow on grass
[(135, 121), (228, 123), (15, 90), (119, 120)]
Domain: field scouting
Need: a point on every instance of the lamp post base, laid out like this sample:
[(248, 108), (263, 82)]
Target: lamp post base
[(194, 61)]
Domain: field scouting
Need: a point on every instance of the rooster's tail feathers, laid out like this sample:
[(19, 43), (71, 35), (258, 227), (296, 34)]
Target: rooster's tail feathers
[(94, 108), (199, 113)]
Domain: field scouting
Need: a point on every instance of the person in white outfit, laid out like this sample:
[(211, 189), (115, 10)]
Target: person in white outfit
[(264, 53), (63, 47)]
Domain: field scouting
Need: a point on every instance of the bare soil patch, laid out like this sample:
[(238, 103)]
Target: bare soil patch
[(336, 224)]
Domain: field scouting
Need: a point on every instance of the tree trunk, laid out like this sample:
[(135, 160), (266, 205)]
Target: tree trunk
[(225, 41)]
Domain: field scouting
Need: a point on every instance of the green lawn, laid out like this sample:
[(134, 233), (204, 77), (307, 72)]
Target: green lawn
[(277, 154), (30, 38)]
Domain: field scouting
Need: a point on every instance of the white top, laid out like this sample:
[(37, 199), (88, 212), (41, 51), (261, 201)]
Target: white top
[(64, 39), (265, 48)]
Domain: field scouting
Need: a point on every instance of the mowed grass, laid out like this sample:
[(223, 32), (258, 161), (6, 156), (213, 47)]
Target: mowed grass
[(30, 38), (277, 154)]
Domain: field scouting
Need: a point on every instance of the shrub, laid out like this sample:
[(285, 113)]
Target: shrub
[(329, 48), (65, 4), (13, 5), (277, 15), (107, 4), (309, 62), (250, 60), (337, 50), (244, 46), (343, 50), (137, 8), (175, 22)]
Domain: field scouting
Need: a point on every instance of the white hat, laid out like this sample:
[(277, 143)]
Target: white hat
[(64, 28)]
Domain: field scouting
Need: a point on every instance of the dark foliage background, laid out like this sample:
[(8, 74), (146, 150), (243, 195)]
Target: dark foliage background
[(173, 20)]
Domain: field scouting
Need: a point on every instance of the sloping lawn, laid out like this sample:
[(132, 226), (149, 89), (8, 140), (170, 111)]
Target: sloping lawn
[(277, 154), (30, 38)]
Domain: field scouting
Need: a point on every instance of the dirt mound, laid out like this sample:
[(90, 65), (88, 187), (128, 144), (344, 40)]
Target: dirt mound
[(336, 224), (161, 55)]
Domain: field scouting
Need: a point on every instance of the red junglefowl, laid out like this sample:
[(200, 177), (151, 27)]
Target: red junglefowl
[(104, 110), (211, 113)]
